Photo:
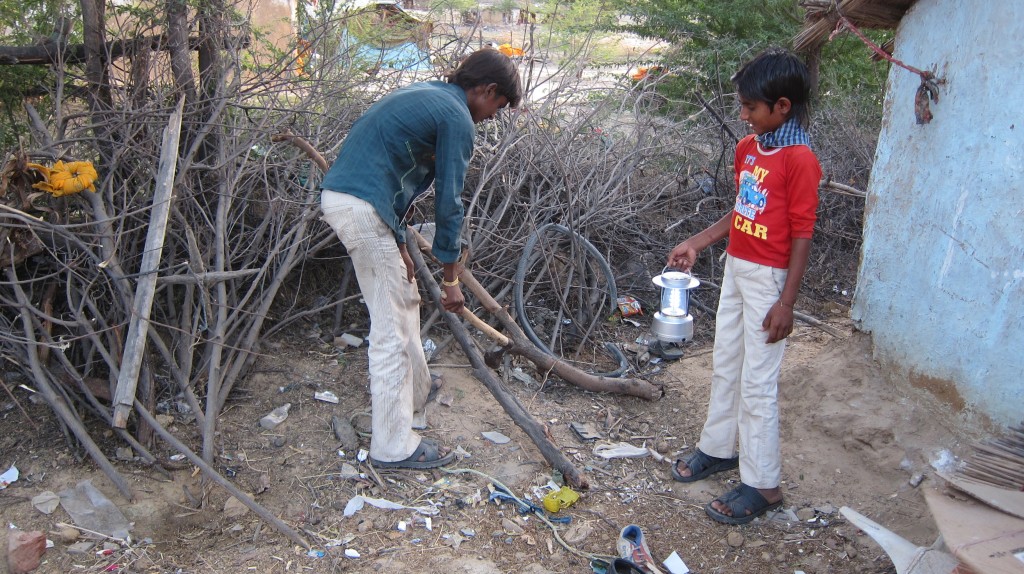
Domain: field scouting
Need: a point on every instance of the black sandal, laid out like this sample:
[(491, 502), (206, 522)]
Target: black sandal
[(702, 466), (746, 504), (428, 451)]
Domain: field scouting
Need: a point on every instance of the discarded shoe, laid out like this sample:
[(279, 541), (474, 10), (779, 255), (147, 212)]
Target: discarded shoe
[(617, 566), (667, 351), (632, 546), (623, 566)]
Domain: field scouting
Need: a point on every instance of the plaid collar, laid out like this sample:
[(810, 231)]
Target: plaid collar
[(788, 134)]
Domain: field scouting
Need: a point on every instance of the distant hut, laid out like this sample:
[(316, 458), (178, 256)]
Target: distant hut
[(380, 34)]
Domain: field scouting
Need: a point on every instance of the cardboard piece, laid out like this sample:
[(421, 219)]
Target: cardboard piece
[(1011, 501), (981, 537)]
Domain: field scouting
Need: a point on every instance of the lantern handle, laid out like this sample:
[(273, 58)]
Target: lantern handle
[(693, 283)]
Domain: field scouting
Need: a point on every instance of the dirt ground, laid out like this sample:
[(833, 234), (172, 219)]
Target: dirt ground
[(850, 438)]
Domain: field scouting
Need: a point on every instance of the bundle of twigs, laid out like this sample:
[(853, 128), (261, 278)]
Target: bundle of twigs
[(998, 461)]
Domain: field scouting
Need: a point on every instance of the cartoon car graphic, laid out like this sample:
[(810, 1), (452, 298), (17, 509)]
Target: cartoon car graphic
[(750, 193)]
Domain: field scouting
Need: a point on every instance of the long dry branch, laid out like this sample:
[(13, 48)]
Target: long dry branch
[(516, 411)]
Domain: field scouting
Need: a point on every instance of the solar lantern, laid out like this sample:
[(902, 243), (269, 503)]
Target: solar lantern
[(673, 323)]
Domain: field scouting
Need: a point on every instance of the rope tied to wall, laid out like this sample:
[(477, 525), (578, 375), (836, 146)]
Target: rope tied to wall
[(926, 93)]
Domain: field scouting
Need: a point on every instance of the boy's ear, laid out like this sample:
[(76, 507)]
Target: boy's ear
[(784, 105)]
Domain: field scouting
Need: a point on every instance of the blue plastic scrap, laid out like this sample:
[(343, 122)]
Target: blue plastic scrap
[(525, 506)]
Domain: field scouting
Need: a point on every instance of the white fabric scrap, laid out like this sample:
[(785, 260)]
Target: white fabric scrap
[(357, 502)]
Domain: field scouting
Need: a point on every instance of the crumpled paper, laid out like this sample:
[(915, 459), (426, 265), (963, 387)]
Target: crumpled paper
[(9, 476), (46, 502), (620, 450)]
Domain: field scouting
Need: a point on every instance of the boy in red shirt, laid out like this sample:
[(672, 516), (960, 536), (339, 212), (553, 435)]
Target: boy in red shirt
[(769, 233)]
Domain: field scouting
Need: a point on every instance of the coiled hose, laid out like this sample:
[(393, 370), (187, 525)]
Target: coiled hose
[(520, 278)]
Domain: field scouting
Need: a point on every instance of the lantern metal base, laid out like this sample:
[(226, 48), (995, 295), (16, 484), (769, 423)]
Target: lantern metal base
[(672, 329)]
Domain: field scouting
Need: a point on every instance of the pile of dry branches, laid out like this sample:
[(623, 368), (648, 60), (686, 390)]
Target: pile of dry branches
[(579, 193)]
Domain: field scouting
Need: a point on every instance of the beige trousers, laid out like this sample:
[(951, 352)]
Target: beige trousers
[(399, 378), (744, 386)]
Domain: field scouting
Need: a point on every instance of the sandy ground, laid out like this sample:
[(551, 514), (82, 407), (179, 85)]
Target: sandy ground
[(850, 438)]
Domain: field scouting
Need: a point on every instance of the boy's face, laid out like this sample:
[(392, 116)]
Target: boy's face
[(484, 101), (763, 118)]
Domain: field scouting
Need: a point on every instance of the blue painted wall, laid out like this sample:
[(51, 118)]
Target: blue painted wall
[(941, 282)]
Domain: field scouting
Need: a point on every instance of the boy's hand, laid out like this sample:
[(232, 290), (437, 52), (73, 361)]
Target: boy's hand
[(778, 322), (683, 256), (452, 298)]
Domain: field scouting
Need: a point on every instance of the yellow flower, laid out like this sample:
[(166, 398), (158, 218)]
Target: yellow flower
[(66, 178)]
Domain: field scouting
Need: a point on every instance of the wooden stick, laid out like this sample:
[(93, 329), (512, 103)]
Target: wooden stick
[(56, 401), (486, 329), (138, 327), (216, 477), (302, 144)]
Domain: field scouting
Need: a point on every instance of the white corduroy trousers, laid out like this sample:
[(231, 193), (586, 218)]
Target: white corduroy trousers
[(744, 387), (399, 377)]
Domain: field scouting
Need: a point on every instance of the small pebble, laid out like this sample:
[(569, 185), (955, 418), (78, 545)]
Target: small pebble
[(511, 527), (69, 535), (84, 547), (734, 539)]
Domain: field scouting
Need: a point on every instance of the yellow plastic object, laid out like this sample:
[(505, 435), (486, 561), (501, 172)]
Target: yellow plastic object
[(66, 178), (559, 499)]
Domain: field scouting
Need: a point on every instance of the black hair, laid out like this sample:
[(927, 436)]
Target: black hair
[(773, 74), (488, 66)]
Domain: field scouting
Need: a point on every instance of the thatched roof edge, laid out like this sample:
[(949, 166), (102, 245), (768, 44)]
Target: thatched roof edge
[(822, 15)]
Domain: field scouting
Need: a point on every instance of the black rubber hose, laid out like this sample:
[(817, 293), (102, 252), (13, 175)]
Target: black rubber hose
[(520, 278)]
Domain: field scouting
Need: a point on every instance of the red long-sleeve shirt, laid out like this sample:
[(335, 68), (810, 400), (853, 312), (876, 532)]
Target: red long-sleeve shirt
[(776, 201)]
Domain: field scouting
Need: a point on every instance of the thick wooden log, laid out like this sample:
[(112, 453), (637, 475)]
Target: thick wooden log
[(507, 400)]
